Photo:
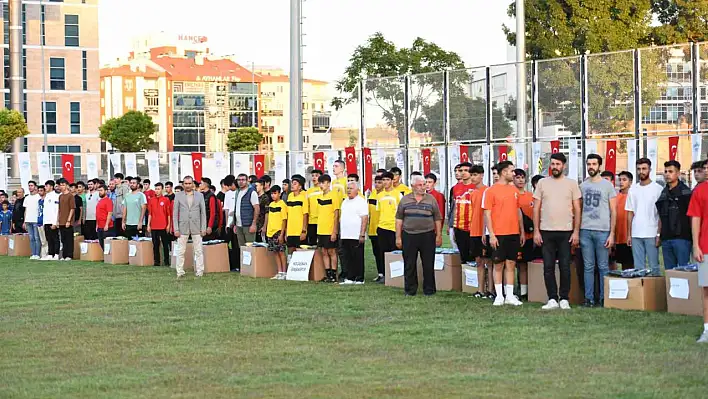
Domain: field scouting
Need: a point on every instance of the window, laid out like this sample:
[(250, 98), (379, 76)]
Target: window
[(42, 27), (56, 74), (6, 22), (24, 24), (152, 101), (55, 153), (50, 125), (71, 30), (84, 66), (281, 140), (128, 85), (75, 118), (129, 103)]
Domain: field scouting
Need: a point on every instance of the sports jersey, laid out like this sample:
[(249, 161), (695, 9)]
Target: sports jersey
[(373, 214), (621, 224), (277, 212), (312, 194), (298, 207), (526, 205), (402, 189), (503, 202), (327, 204), (462, 194), (340, 185), (477, 214), (387, 205)]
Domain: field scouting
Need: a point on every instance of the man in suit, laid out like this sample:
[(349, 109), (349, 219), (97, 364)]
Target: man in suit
[(189, 216)]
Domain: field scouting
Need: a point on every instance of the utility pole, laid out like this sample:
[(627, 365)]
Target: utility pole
[(520, 71), (295, 79), (16, 79)]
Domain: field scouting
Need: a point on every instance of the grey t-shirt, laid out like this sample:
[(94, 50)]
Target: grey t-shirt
[(596, 204)]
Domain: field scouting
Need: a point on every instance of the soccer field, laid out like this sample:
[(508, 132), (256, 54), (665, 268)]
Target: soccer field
[(81, 330)]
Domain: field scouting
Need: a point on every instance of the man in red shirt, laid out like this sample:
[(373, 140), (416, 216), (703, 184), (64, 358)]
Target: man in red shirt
[(104, 215), (159, 221), (430, 181), (462, 193), (698, 211)]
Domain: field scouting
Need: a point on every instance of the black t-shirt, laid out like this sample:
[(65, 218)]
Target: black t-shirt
[(79, 205), (18, 214), (221, 196)]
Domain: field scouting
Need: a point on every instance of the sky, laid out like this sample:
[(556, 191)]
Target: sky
[(258, 31)]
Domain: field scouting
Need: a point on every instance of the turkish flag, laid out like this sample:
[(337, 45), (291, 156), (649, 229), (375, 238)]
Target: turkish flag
[(319, 161), (368, 169), (67, 160), (611, 156), (503, 153), (426, 160), (555, 146), (351, 160), (464, 153), (197, 166), (673, 147), (259, 164)]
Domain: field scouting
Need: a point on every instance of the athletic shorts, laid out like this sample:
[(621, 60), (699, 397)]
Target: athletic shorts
[(293, 241), (311, 235), (508, 248), (623, 256), (273, 245), (476, 247), (326, 243), (528, 252), (703, 272)]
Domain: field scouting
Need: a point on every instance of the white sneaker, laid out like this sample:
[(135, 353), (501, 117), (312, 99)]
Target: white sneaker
[(347, 282), (564, 304), (552, 304), (276, 277), (285, 276), (513, 301), (281, 276), (499, 301), (47, 258), (358, 283), (33, 257), (703, 339), (67, 259), (55, 257)]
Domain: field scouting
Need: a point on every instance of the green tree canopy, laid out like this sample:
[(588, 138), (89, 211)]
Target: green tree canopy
[(244, 139), (131, 132), (12, 127)]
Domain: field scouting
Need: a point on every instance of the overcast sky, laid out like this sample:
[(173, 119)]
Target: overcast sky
[(258, 31)]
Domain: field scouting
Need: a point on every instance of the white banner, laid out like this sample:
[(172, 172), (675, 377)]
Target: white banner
[(381, 156), (442, 161), (153, 162), (416, 162), (45, 171), (91, 166), (280, 170), (653, 155), (115, 162), (573, 162), (520, 152), (591, 147), (23, 159), (536, 162), (131, 164), (329, 162), (185, 161), (3, 171), (632, 156), (300, 167), (221, 165), (696, 144), (241, 164), (486, 163), (299, 266), (400, 161), (174, 167)]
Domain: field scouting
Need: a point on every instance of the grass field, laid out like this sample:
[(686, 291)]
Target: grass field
[(80, 330)]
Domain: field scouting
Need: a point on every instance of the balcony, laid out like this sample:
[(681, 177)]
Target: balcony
[(272, 112), (267, 129), (320, 121)]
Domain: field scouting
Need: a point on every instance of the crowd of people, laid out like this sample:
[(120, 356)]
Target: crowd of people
[(500, 228)]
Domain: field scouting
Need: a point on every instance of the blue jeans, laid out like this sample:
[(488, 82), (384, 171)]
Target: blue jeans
[(676, 252), (592, 245), (643, 248), (35, 242)]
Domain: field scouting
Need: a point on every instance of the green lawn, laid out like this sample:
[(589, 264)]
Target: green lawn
[(80, 330)]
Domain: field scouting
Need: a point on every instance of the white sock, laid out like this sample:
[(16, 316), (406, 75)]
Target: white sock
[(498, 288), (509, 291), (524, 289), (705, 326)]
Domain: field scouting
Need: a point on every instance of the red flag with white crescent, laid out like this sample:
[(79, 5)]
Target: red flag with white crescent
[(611, 156), (426, 160), (350, 155), (464, 153), (318, 158), (67, 170), (555, 146), (197, 166), (503, 153), (368, 169), (259, 164), (673, 147)]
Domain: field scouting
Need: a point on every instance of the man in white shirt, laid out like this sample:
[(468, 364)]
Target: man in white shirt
[(643, 230), (51, 215), (353, 222), (92, 199), (31, 205)]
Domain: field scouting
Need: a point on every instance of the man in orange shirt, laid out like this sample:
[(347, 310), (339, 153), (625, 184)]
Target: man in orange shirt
[(159, 222), (623, 252), (502, 214), (478, 250), (528, 252)]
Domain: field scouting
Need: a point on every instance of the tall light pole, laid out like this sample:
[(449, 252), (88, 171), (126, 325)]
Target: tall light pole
[(16, 86), (521, 130), (295, 108)]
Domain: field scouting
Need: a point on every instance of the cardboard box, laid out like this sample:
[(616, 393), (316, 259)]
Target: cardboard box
[(645, 293), (188, 256), (398, 282), (19, 245), (77, 246), (216, 258), (257, 262), (141, 252), (685, 284), (450, 277), (3, 245), (317, 270), (115, 252), (537, 284), (469, 277), (90, 251)]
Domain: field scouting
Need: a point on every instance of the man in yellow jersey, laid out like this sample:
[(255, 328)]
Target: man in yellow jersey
[(340, 178), (387, 205), (276, 220), (399, 187), (373, 225), (329, 204), (313, 193), (298, 210)]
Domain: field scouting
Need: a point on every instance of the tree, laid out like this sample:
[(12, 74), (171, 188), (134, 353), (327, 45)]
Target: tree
[(12, 127), (469, 122), (131, 132), (379, 57), (244, 139), (681, 21)]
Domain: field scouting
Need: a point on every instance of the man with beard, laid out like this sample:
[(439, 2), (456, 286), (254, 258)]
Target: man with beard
[(597, 229), (104, 215), (675, 224), (643, 230), (18, 214), (556, 222), (134, 205)]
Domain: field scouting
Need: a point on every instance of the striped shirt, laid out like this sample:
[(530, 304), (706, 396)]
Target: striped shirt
[(418, 217), (462, 196)]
